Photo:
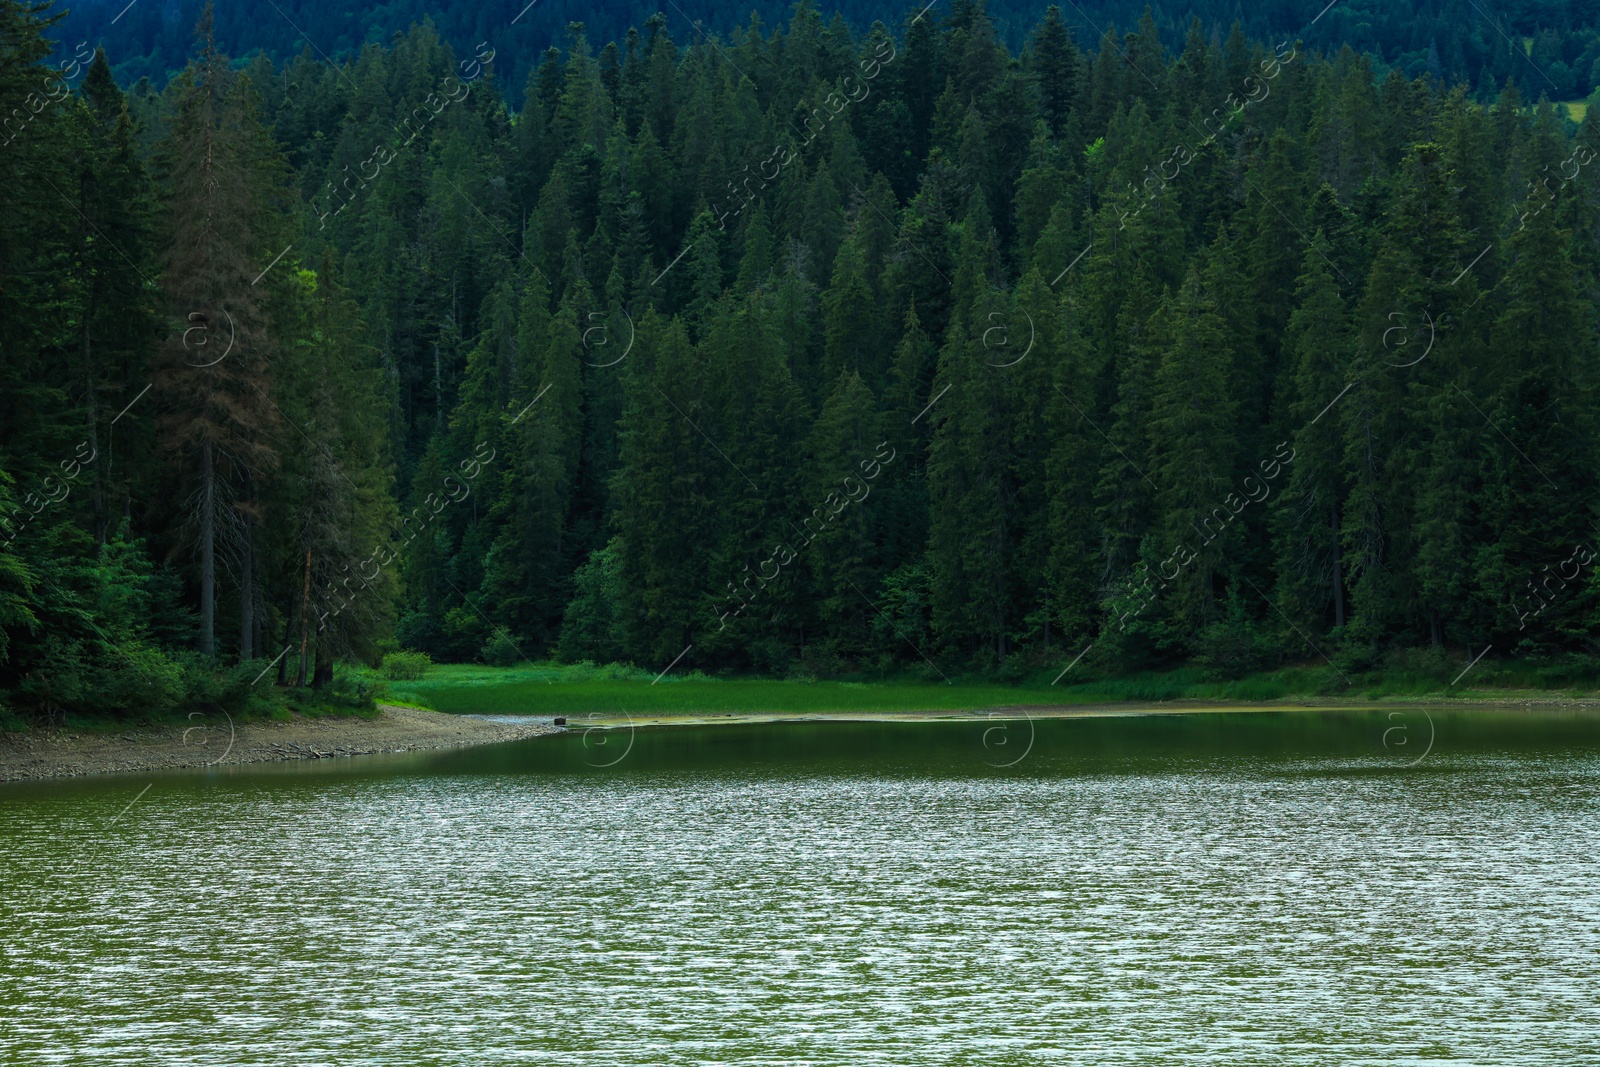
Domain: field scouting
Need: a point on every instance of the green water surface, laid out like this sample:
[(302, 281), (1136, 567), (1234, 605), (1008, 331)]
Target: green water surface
[(1406, 887)]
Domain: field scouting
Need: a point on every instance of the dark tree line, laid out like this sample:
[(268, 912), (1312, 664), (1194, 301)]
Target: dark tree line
[(1555, 43), (815, 349)]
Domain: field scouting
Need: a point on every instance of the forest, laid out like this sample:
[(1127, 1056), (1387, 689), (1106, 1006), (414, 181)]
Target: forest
[(1458, 40), (828, 350)]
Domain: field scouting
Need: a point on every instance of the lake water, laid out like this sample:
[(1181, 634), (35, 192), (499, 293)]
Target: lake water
[(1234, 889)]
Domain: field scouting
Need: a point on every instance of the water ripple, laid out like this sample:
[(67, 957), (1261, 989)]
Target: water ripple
[(1206, 910)]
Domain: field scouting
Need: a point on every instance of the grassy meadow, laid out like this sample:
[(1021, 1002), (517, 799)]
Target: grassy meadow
[(588, 690)]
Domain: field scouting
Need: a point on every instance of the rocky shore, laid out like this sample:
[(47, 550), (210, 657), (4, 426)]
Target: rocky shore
[(63, 753)]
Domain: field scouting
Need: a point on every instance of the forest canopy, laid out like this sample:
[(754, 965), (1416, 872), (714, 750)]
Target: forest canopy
[(1457, 40), (820, 349)]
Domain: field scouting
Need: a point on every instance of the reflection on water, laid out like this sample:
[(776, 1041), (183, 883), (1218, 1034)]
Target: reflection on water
[(1222, 889)]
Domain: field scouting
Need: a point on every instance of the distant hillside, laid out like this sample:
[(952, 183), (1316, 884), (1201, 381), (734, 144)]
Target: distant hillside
[(1552, 47)]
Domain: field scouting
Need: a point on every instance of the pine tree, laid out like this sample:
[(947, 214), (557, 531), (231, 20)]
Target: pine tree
[(223, 172), (1307, 499), (971, 533), (757, 415), (525, 580), (842, 546), (1054, 59), (851, 336), (664, 496), (1124, 364), (582, 116), (118, 320), (1543, 401), (40, 240), (1036, 346), (1076, 562), (338, 491), (1193, 442)]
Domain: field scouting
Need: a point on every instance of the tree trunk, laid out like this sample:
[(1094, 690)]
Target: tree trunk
[(324, 670), (247, 584), (97, 496), (288, 636), (256, 624), (438, 389), (305, 620), (208, 553), (1338, 571)]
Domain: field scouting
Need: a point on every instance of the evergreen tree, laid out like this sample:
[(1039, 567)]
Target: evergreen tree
[(1192, 441), (664, 493), (118, 319), (1542, 401), (223, 171), (338, 491), (1308, 497), (841, 546)]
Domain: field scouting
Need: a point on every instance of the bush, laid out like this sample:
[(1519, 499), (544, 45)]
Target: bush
[(586, 670), (592, 627), (1256, 689), (462, 632), (1428, 667), (347, 693), (10, 721), (1235, 645), (904, 619), (406, 666), (208, 687), (138, 681), (1140, 631), (500, 650)]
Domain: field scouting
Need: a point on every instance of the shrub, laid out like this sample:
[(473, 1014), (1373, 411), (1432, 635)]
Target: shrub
[(1256, 689), (1235, 645), (592, 627), (208, 687), (500, 650), (138, 681), (406, 666), (347, 693), (1426, 665), (462, 633), (1140, 632)]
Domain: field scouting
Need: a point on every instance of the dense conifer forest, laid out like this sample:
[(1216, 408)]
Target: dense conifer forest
[(1457, 40), (964, 340)]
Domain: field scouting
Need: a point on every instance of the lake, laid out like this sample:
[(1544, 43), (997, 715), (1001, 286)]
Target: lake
[(1245, 888)]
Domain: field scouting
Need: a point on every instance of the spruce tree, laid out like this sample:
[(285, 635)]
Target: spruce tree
[(1193, 441), (1543, 403), (222, 171), (1307, 498), (664, 497), (841, 547)]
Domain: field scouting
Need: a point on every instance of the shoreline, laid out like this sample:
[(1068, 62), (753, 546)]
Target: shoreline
[(38, 755), (1109, 709)]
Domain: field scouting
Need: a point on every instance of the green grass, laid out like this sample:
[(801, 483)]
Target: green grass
[(587, 690), (580, 691)]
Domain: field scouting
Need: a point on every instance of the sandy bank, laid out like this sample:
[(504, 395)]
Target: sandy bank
[(58, 754)]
